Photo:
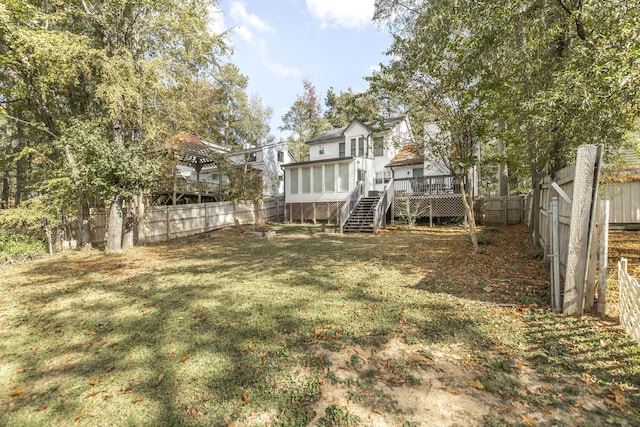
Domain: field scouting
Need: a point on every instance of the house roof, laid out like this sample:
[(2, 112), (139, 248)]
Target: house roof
[(409, 155), (374, 126)]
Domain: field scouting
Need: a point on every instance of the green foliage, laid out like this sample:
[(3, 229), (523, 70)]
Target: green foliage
[(543, 77), (13, 246), (345, 107), (27, 219), (338, 416), (305, 120)]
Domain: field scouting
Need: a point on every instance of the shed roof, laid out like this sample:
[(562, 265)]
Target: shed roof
[(409, 155)]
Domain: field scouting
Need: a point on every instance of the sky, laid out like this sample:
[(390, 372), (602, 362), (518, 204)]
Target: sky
[(278, 43)]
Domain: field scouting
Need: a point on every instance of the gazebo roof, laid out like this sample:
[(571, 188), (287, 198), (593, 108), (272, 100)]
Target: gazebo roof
[(194, 152)]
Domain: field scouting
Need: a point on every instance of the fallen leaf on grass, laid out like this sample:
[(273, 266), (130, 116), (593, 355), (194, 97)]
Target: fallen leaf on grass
[(245, 398), (476, 384), (587, 378), (545, 410), (136, 400), (93, 382), (528, 421), (18, 392), (250, 345), (619, 397), (184, 358)]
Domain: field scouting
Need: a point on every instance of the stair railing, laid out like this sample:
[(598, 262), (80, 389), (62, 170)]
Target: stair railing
[(350, 204), (380, 214)]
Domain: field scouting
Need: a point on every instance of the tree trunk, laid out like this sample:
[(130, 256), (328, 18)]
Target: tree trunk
[(20, 181), (85, 227), (129, 226), (114, 231), (503, 171), (142, 236), (6, 188), (467, 201)]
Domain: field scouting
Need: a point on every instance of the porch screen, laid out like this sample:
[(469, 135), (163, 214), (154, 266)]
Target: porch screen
[(317, 179), (306, 180), (329, 178), (343, 177), (293, 181)]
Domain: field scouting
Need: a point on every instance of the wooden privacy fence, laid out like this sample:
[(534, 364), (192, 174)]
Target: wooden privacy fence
[(162, 223), (505, 210), (568, 231), (629, 301)]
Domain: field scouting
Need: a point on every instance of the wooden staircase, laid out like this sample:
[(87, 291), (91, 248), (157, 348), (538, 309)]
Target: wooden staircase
[(361, 219)]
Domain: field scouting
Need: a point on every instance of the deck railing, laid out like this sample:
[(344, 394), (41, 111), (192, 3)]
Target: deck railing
[(350, 204), (187, 186), (380, 214), (426, 185)]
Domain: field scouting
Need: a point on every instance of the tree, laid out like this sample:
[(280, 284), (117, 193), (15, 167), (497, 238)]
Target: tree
[(102, 74), (343, 108), (541, 77), (304, 120)]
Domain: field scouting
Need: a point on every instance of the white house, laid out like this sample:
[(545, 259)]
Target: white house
[(269, 160), (357, 172), (340, 159)]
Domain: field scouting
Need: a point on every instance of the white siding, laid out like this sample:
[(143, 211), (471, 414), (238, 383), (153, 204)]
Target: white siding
[(327, 195)]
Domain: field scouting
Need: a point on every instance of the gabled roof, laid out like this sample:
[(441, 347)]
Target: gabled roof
[(409, 155), (374, 126)]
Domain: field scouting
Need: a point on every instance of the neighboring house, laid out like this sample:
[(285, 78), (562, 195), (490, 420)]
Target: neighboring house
[(342, 161), (268, 159), (199, 177)]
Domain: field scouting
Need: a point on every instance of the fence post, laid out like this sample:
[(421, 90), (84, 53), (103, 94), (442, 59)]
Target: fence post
[(554, 240), (168, 224), (601, 306), (574, 290)]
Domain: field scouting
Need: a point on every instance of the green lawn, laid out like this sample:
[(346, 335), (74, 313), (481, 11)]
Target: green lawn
[(311, 327)]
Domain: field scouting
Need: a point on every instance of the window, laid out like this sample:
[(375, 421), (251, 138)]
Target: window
[(361, 152), (253, 157), (383, 177), (341, 149), (379, 177), (418, 172), (293, 182), (317, 179), (306, 180), (343, 177), (353, 147), (378, 147), (329, 178), (321, 149), (280, 156)]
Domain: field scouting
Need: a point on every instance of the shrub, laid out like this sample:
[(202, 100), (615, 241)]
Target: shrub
[(17, 246)]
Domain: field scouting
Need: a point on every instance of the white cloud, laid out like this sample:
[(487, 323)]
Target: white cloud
[(240, 15), (282, 70), (244, 33), (216, 20), (342, 13)]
